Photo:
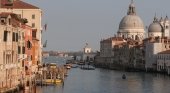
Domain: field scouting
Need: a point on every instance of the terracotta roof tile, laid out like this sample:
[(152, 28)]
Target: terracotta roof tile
[(17, 4)]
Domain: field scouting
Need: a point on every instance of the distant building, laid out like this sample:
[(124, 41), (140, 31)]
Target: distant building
[(130, 49), (45, 54), (131, 26), (88, 55), (163, 61), (153, 46), (124, 49), (159, 28), (107, 45), (129, 55), (107, 49)]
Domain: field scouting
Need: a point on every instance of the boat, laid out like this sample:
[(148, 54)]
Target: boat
[(87, 67), (123, 76), (52, 65), (68, 66), (66, 75), (53, 81), (74, 66)]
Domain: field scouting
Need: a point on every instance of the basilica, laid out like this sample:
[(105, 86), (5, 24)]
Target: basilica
[(131, 26), (133, 48)]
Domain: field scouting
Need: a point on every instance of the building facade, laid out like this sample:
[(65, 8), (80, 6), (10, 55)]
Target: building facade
[(10, 25), (32, 16), (88, 55), (153, 46), (159, 28), (163, 62)]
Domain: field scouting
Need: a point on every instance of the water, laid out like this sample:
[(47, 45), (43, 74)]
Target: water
[(109, 81)]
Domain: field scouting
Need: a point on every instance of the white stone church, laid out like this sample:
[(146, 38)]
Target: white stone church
[(132, 34)]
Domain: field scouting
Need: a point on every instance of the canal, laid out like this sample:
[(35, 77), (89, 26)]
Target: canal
[(109, 81)]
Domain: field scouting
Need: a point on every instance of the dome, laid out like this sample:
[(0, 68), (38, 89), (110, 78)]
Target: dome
[(132, 22), (155, 27)]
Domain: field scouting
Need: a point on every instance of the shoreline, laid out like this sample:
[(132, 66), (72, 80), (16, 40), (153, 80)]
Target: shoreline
[(129, 69)]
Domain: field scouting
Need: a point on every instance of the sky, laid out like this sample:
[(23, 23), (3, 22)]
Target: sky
[(73, 23)]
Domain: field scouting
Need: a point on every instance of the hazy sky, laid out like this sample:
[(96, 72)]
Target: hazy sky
[(73, 23)]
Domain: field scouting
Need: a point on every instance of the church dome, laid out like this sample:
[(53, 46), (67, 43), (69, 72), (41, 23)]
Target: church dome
[(132, 22), (155, 26)]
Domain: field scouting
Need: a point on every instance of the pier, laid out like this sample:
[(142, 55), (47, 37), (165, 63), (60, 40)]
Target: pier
[(51, 74)]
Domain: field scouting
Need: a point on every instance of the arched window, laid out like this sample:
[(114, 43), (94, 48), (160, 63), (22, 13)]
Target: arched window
[(132, 37), (136, 37), (123, 36), (167, 27)]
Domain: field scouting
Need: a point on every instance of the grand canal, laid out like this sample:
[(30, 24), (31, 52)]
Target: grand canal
[(109, 81)]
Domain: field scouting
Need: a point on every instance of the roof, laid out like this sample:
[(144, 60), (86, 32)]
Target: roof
[(13, 15), (112, 39), (131, 20), (155, 27), (165, 52), (17, 4), (15, 19)]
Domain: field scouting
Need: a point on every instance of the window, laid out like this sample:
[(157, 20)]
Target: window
[(33, 16), (22, 63), (33, 24), (16, 37), (2, 21), (5, 35), (34, 34), (23, 50), (29, 44), (19, 50), (167, 27), (123, 36), (13, 36)]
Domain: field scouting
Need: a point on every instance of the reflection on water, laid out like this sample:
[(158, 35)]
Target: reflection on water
[(109, 81)]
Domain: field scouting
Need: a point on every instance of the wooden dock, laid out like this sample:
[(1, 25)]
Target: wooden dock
[(51, 74)]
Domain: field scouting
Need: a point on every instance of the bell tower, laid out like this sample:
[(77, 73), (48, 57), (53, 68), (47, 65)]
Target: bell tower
[(166, 32)]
